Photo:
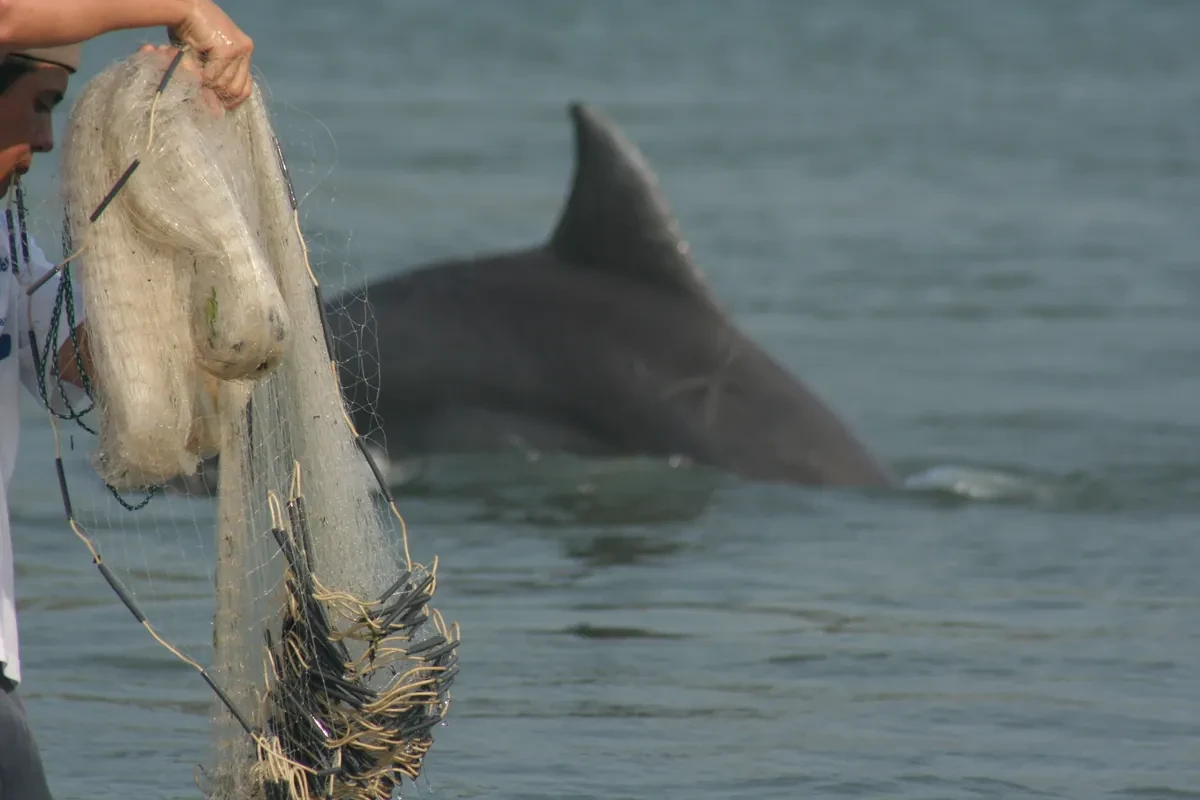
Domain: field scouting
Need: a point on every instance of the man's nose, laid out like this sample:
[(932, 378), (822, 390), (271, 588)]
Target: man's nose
[(43, 134)]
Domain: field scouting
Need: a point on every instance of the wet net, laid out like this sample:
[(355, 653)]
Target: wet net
[(208, 345)]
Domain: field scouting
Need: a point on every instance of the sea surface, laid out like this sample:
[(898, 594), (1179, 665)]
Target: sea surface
[(973, 228)]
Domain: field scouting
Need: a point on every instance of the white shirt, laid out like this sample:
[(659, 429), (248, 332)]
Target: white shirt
[(16, 368)]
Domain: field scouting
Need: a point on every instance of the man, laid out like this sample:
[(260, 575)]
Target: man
[(36, 60), (31, 85)]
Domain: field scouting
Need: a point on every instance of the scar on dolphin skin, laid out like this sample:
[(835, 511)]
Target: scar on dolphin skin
[(712, 384)]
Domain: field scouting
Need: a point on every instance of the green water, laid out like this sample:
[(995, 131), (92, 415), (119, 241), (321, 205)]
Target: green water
[(971, 227)]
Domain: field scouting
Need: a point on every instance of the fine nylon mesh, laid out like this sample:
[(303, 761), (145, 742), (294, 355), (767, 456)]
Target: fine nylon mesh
[(207, 339)]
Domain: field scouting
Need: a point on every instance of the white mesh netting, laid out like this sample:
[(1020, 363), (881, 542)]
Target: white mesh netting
[(207, 338)]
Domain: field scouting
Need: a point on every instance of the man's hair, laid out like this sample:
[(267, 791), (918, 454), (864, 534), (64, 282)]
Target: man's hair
[(12, 68)]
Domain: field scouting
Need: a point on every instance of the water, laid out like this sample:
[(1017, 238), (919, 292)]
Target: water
[(971, 227)]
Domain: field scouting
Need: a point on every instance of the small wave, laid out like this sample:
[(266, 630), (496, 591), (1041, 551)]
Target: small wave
[(979, 484), (1160, 488), (560, 489), (586, 631), (1157, 793)]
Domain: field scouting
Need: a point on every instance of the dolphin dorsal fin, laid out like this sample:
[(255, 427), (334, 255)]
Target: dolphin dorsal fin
[(616, 218)]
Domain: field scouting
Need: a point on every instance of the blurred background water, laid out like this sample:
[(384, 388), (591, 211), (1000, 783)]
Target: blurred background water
[(970, 226)]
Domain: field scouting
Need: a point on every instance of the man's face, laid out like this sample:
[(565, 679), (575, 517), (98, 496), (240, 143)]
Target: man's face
[(25, 118)]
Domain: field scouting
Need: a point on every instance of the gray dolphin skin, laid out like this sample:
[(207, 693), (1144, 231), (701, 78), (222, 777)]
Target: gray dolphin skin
[(604, 341)]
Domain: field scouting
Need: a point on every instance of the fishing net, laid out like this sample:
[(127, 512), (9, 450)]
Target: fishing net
[(208, 340)]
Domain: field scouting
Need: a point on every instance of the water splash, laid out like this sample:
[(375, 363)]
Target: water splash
[(977, 484)]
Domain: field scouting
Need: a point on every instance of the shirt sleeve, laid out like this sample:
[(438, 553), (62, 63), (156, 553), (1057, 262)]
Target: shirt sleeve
[(40, 307)]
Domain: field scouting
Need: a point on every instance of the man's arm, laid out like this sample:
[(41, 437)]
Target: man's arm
[(62, 379), (49, 23)]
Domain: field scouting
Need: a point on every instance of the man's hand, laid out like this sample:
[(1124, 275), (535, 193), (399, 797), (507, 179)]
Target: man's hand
[(224, 51), (68, 366), (167, 52)]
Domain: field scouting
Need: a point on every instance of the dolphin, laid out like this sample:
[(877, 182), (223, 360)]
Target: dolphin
[(605, 340)]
